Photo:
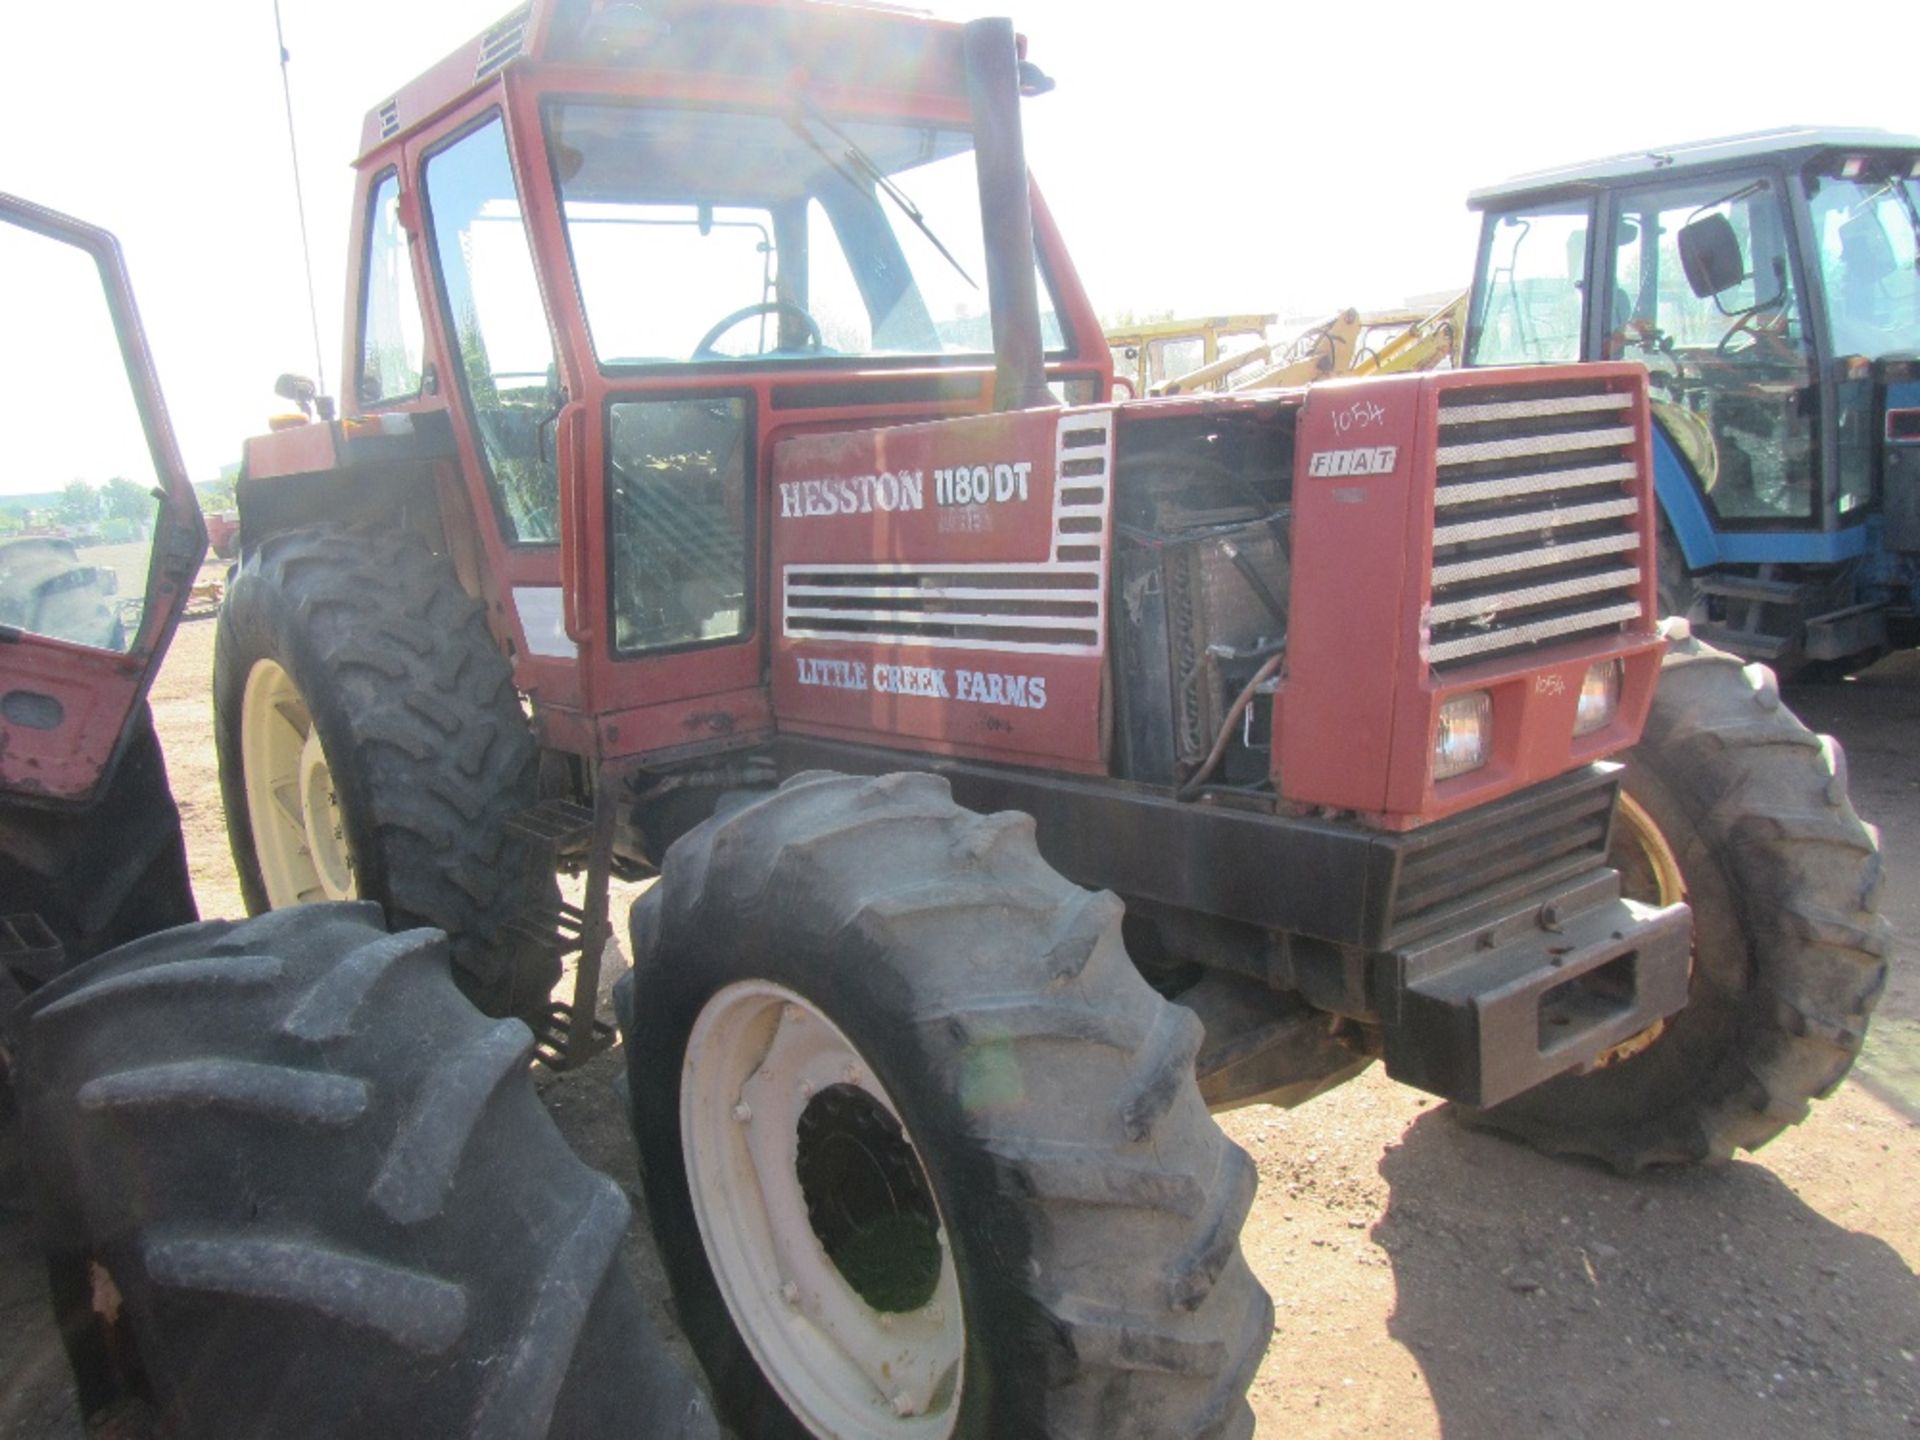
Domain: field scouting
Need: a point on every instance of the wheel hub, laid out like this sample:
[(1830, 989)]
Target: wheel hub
[(326, 829), (1650, 873), (818, 1219), (293, 807)]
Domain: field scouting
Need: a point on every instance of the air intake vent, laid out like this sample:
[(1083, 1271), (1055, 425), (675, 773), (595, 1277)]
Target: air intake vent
[(1002, 607), (1082, 493), (502, 43), (1055, 607), (390, 119), (1536, 520)]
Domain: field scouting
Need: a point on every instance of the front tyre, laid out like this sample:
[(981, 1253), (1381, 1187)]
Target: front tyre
[(372, 746), (1734, 806), (924, 1153), (291, 1184)]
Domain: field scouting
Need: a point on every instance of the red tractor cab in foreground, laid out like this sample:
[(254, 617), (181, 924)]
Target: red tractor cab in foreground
[(729, 484), (90, 842), (263, 1207)]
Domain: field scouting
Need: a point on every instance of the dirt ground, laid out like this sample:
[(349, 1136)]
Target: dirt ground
[(1430, 1282)]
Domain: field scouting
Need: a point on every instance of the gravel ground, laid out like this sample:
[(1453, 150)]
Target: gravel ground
[(1430, 1281)]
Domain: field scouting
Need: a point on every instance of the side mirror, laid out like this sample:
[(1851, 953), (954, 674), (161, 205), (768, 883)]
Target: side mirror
[(299, 389), (304, 393), (1710, 255)]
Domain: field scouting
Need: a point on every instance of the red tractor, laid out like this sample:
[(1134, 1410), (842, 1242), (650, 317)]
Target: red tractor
[(728, 484), (267, 1207)]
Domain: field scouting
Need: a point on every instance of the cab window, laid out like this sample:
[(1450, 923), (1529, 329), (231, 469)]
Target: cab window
[(1529, 304), (391, 345), (1730, 370), (703, 238), (493, 310)]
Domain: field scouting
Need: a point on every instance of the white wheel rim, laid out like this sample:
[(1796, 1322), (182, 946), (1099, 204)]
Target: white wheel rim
[(299, 835), (774, 1097)]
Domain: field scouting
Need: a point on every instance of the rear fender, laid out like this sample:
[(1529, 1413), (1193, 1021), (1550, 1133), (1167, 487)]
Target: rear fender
[(1679, 498)]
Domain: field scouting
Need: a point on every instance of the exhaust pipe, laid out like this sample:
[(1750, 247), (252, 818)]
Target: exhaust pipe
[(1006, 215)]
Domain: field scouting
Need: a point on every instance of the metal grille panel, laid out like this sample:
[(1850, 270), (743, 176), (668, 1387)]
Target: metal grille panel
[(502, 43), (1499, 855), (1058, 606), (1536, 519)]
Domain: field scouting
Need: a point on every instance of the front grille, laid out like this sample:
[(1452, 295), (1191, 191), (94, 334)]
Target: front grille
[(1490, 858), (1536, 519)]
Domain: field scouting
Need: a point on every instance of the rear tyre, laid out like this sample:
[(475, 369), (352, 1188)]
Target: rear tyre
[(1735, 806), (372, 746), (924, 1153), (107, 875), (291, 1184), (1678, 592)]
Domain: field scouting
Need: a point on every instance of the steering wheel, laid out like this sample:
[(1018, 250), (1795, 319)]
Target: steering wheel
[(1769, 332), (747, 312)]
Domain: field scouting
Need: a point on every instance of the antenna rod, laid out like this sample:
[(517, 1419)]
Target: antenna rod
[(300, 201)]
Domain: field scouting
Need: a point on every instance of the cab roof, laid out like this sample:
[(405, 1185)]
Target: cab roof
[(1809, 140), (850, 43)]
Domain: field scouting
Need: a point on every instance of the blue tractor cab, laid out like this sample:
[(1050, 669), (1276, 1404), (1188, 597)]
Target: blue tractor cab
[(1769, 282)]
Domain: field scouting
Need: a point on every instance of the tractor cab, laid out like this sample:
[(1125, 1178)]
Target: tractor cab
[(635, 248), (1769, 285)]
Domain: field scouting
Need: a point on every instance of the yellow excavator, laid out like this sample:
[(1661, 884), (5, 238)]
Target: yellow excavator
[(1234, 353), (1151, 355)]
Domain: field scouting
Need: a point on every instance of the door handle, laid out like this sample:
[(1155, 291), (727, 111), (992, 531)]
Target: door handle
[(570, 456)]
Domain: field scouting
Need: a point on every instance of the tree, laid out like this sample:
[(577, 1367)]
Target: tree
[(215, 495), (126, 501), (79, 504)]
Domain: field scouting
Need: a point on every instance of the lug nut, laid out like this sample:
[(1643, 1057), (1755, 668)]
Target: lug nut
[(903, 1404), (743, 1112), (790, 1293)]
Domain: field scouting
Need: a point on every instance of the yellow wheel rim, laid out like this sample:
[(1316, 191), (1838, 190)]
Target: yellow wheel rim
[(1649, 873), (293, 807)]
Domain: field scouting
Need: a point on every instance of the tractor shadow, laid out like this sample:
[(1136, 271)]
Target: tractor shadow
[(1550, 1298)]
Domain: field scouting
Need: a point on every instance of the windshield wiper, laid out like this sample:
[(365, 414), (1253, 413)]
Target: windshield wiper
[(881, 181)]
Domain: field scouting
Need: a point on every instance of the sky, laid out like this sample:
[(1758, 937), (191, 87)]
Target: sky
[(1224, 155)]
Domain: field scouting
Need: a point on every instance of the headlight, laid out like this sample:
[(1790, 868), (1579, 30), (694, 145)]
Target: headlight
[(1599, 697), (1463, 738)]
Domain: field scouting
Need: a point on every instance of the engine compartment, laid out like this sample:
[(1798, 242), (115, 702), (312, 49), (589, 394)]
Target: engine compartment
[(1202, 533)]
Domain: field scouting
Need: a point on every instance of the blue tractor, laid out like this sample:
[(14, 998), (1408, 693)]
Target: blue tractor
[(1770, 284)]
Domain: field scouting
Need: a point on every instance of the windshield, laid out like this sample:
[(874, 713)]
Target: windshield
[(1527, 308), (1866, 226), (703, 237)]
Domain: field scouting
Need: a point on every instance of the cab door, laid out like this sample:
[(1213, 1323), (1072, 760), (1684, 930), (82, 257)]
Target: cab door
[(100, 531), (1733, 379), (659, 536)]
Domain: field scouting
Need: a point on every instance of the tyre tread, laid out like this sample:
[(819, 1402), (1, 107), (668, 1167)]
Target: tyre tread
[(439, 757), (1102, 1149), (1772, 808), (267, 1288)]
